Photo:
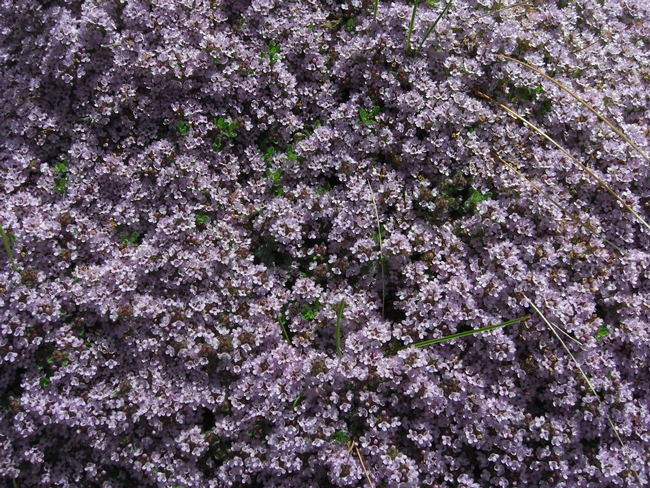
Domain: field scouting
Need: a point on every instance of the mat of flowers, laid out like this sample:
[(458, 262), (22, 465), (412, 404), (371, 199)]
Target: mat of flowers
[(312, 243)]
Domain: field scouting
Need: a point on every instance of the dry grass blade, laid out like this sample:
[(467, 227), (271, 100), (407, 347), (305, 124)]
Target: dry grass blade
[(577, 97), (5, 239), (381, 254), (591, 388), (339, 315), (587, 170), (575, 219), (363, 465)]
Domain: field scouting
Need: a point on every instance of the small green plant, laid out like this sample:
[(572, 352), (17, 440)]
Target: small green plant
[(366, 118), (200, 219), (290, 154), (8, 240), (276, 178), (44, 381), (60, 183), (129, 240), (182, 127), (226, 128), (474, 199), (350, 26), (308, 312), (272, 52), (340, 437), (325, 188), (268, 154), (601, 333)]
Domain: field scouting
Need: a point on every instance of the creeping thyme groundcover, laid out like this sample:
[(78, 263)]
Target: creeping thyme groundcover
[(227, 225)]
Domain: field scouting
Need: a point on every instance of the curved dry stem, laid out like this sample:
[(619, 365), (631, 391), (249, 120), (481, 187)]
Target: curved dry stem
[(363, 465), (577, 97), (587, 170), (381, 254), (591, 388), (575, 219)]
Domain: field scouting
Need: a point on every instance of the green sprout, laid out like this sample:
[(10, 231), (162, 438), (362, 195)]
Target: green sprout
[(290, 154), (60, 183), (183, 127), (226, 128), (129, 240), (272, 52), (366, 118), (339, 437), (308, 312), (601, 332), (200, 218), (474, 199)]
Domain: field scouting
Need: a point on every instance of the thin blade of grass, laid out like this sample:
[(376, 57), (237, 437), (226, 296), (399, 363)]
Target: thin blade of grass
[(408, 37), (285, 333), (577, 97), (552, 141), (5, 239), (376, 7), (363, 465), (339, 315), (593, 391), (462, 334), (435, 23), (383, 279), (575, 219)]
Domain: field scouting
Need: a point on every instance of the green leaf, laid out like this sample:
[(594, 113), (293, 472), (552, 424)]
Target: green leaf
[(183, 127), (61, 166), (340, 437), (200, 218), (59, 184), (44, 381), (374, 111), (601, 332)]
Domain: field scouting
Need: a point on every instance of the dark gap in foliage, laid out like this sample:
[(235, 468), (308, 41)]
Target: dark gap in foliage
[(235, 11), (208, 419), (267, 251), (391, 312), (332, 180)]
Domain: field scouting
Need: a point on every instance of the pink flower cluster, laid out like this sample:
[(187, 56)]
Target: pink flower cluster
[(193, 188)]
